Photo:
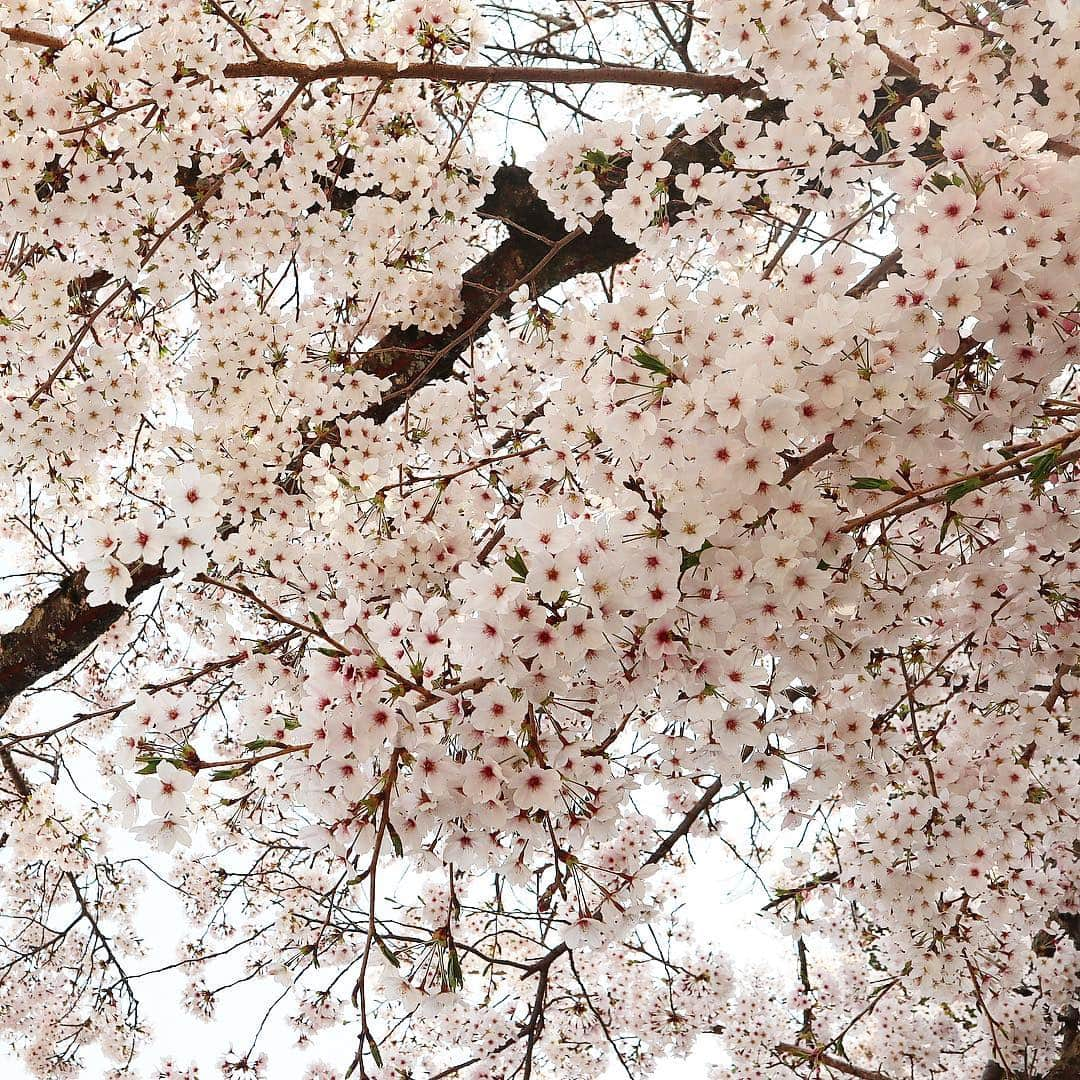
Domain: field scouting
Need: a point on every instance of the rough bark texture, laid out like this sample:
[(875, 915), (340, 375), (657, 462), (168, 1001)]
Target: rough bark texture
[(59, 628), (539, 250), (1067, 1066), (411, 358)]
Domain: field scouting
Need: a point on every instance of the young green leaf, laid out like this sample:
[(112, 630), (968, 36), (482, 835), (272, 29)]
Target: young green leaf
[(872, 483), (517, 564), (1042, 466), (965, 487), (649, 362)]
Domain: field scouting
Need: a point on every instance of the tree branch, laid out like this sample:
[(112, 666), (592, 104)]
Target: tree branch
[(830, 1062), (33, 37), (542, 74), (59, 628)]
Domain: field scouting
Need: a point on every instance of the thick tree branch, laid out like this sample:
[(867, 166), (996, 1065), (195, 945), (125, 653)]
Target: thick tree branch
[(59, 628), (1067, 1066), (541, 74), (263, 66), (33, 37)]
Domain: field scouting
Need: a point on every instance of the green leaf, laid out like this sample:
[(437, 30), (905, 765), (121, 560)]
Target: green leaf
[(965, 487), (517, 564), (872, 483), (691, 559), (261, 744), (390, 955), (399, 848), (950, 517), (150, 767), (596, 160), (941, 181), (1042, 466), (373, 1046), (650, 362), (455, 980)]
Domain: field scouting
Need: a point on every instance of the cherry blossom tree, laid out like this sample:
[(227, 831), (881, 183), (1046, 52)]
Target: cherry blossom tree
[(414, 559)]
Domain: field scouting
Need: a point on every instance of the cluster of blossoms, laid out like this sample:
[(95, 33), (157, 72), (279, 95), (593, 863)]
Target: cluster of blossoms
[(784, 513)]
